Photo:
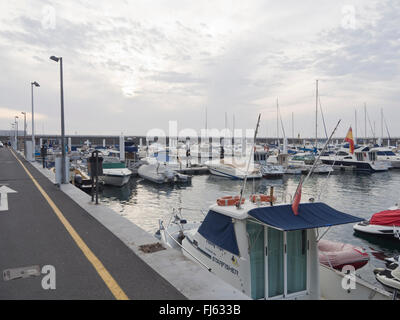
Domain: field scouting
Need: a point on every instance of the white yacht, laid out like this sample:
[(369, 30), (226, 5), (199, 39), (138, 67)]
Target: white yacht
[(363, 159), (266, 251), (160, 173), (387, 155), (233, 168)]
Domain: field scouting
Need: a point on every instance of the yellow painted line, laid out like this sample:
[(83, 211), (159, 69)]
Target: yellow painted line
[(110, 282)]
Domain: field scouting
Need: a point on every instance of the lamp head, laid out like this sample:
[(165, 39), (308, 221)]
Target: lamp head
[(54, 58), (35, 84)]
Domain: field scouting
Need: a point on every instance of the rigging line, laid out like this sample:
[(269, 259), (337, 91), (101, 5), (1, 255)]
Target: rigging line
[(327, 178), (319, 156), (387, 129), (370, 125), (183, 248), (280, 117), (323, 118)]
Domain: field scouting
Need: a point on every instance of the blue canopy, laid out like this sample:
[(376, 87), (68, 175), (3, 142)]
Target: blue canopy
[(219, 229), (311, 215)]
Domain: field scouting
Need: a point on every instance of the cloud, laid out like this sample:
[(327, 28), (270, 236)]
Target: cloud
[(131, 67)]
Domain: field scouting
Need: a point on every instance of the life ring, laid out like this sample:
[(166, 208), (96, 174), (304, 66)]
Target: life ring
[(229, 201), (261, 198)]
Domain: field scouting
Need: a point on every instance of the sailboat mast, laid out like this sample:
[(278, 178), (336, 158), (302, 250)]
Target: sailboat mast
[(355, 125), (365, 122), (293, 126), (316, 116), (277, 120), (382, 126)]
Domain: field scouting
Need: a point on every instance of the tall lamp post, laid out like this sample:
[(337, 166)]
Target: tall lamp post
[(16, 133), (63, 178), (24, 113), (12, 132), (33, 120)]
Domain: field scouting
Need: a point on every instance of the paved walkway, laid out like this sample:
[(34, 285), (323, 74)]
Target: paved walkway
[(43, 226)]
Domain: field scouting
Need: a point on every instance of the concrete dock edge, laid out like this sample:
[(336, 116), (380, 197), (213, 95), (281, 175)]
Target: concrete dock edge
[(192, 280)]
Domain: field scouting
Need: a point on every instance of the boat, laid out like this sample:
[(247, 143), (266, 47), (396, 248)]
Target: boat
[(363, 159), (272, 171), (389, 277), (282, 159), (394, 259), (263, 249), (382, 224), (386, 154), (232, 168), (267, 169), (305, 162), (161, 173), (115, 172), (80, 178), (337, 254)]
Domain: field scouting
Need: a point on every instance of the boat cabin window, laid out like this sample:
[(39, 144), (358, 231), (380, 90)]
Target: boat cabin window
[(359, 156), (386, 153), (372, 156), (278, 261)]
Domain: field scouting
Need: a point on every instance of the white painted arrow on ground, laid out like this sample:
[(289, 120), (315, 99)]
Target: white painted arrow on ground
[(4, 198)]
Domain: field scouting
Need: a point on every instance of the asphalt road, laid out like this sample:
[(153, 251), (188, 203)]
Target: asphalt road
[(31, 234)]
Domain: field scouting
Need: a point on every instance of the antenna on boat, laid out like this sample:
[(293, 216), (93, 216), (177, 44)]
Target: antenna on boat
[(248, 164)]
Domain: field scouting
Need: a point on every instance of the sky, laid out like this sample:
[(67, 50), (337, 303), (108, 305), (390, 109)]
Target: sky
[(133, 66)]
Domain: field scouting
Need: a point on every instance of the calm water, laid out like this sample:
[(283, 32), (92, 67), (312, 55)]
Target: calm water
[(358, 194)]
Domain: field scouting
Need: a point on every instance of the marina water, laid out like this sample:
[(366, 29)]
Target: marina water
[(359, 194)]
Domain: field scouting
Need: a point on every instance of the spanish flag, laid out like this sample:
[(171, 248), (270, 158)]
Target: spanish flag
[(350, 140)]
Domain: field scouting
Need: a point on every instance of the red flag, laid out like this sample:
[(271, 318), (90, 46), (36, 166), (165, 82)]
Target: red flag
[(297, 198), (350, 140)]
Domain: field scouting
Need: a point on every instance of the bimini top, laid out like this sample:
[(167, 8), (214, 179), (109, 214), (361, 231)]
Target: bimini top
[(311, 215)]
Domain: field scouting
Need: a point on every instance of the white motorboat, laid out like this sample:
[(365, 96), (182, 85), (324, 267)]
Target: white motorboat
[(282, 159), (383, 224), (115, 172), (161, 173), (389, 277), (264, 250), (394, 259), (305, 162), (386, 154), (233, 168), (363, 159), (272, 171)]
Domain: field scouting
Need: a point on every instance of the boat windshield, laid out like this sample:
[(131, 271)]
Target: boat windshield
[(386, 153)]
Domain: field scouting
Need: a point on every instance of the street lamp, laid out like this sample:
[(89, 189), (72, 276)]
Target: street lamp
[(33, 120), (24, 113), (12, 132), (63, 178), (16, 133)]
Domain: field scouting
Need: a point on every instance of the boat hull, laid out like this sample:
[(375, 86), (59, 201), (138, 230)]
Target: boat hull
[(115, 180), (358, 166)]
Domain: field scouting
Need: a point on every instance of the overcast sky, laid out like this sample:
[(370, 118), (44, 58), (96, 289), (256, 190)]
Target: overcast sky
[(130, 66)]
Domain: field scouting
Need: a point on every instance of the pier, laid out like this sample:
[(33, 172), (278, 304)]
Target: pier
[(94, 252)]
